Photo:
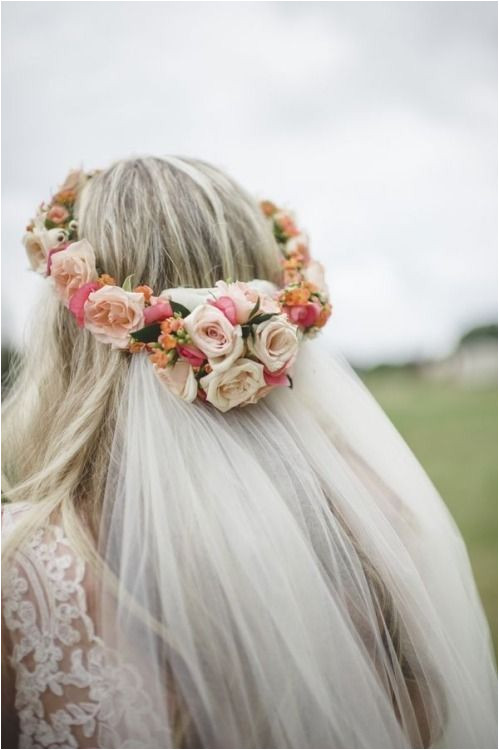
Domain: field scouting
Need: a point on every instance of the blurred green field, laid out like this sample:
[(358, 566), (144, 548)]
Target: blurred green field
[(453, 432)]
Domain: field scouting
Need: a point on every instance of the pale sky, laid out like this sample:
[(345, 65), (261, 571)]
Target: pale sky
[(376, 122)]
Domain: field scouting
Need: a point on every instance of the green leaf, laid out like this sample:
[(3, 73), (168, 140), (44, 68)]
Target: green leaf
[(147, 334), (262, 318), (180, 309), (127, 284), (245, 331), (290, 381)]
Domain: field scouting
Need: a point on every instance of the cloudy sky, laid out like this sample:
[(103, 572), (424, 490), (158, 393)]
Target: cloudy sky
[(376, 121)]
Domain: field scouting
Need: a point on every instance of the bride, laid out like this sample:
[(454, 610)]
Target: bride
[(213, 535)]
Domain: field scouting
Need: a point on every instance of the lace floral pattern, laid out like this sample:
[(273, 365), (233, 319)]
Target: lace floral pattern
[(71, 690)]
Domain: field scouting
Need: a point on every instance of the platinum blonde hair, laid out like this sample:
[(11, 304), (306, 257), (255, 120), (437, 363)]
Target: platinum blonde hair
[(302, 586), (168, 222)]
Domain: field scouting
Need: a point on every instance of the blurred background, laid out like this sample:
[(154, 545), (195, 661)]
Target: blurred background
[(376, 121)]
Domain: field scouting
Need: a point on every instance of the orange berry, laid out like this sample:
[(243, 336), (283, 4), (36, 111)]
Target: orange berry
[(323, 316), (145, 290), (167, 341), (106, 279), (268, 208), (159, 358), (136, 346)]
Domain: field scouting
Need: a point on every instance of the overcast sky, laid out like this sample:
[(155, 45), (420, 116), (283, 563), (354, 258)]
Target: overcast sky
[(376, 121)]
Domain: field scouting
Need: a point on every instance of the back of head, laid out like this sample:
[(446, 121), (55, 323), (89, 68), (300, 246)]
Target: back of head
[(271, 572), (167, 222)]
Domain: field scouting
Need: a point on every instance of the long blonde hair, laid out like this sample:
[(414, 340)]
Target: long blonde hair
[(169, 222)]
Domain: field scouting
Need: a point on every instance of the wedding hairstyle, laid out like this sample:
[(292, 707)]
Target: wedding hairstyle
[(274, 565), (171, 221)]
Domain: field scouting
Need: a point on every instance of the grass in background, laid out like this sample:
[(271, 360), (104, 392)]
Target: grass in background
[(453, 432)]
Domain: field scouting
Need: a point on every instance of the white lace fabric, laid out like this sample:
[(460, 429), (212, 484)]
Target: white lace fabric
[(71, 690)]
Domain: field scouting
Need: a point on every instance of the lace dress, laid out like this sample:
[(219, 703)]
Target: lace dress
[(70, 689)]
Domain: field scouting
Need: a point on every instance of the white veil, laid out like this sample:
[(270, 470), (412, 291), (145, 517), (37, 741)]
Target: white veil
[(287, 575)]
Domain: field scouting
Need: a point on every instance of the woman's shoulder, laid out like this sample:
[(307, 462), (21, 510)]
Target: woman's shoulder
[(63, 671), (42, 573), (46, 625)]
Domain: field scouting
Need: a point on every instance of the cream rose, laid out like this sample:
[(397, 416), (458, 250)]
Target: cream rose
[(274, 343), (243, 296), (215, 335), (37, 245), (73, 267), (314, 272), (238, 385), (112, 314), (180, 379), (189, 298)]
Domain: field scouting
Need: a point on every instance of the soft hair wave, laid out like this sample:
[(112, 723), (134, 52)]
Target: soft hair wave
[(168, 221)]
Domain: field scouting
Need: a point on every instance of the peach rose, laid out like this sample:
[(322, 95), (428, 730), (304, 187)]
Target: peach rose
[(112, 314), (304, 316), (38, 243), (156, 313), (72, 268), (180, 379), (58, 214), (274, 343), (239, 385), (214, 334)]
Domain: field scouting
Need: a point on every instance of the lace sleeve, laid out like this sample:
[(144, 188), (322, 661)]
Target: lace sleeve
[(70, 690)]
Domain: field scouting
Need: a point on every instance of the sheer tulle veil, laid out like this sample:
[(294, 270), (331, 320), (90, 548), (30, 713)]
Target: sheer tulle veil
[(286, 575)]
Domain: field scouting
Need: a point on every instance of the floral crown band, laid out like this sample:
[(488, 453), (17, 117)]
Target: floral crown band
[(229, 345)]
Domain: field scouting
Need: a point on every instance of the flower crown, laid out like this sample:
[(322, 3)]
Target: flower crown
[(229, 345)]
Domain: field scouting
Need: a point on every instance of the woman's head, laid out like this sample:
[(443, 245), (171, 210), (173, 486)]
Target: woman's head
[(175, 222), (168, 222)]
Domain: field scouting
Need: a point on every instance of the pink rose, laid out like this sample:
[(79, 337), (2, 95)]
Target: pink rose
[(315, 273), (157, 312), (73, 267), (272, 378), (303, 315), (274, 343), (227, 306), (112, 314), (77, 301), (192, 354), (180, 379), (58, 214), (214, 334)]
